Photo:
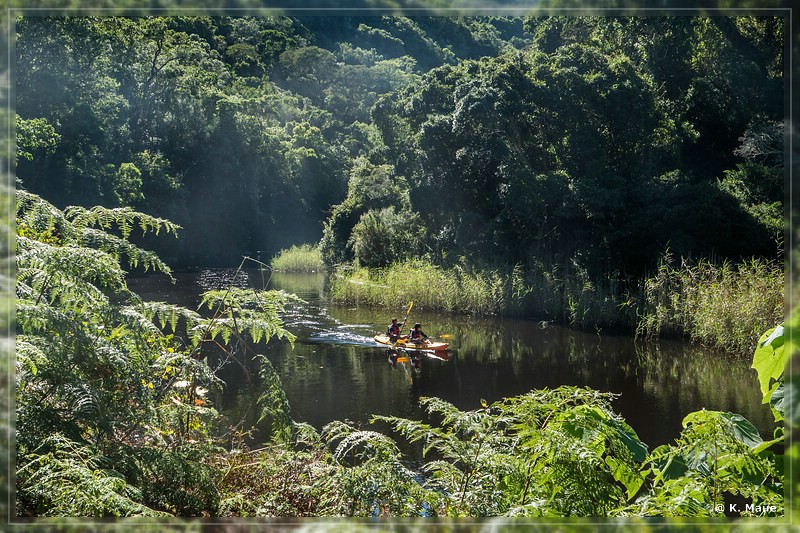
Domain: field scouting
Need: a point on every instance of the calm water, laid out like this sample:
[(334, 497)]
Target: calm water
[(336, 371)]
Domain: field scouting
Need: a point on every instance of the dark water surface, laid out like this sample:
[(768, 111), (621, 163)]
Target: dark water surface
[(337, 372)]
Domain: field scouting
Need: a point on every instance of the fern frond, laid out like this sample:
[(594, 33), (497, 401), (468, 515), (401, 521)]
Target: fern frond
[(243, 311), (176, 478), (336, 430), (444, 473), (40, 215), (42, 318), (236, 298), (367, 446), (64, 478), (82, 401), (274, 403), (112, 354), (91, 266), (123, 218), (414, 431), (117, 247), (29, 357), (465, 422), (133, 318), (306, 434), (166, 314)]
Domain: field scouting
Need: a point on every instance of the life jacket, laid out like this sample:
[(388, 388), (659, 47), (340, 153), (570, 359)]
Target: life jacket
[(393, 330), (414, 334)]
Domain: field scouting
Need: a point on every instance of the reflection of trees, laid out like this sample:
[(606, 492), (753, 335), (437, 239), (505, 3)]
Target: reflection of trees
[(687, 377)]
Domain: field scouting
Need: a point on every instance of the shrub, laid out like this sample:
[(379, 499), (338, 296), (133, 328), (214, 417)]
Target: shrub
[(384, 236)]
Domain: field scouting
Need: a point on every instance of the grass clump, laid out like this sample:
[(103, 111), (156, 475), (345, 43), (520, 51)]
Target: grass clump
[(427, 285), (723, 305), (303, 258)]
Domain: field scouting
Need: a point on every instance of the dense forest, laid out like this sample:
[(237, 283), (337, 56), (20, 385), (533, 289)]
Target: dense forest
[(592, 141), (502, 149)]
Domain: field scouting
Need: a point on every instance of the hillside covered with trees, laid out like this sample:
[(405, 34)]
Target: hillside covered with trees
[(591, 141)]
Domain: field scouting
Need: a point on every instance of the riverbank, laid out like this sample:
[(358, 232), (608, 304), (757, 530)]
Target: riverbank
[(724, 306)]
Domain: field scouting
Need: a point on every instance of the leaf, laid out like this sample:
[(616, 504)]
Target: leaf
[(743, 430), (740, 428), (792, 332), (629, 477), (667, 465), (770, 359), (791, 400), (777, 400)]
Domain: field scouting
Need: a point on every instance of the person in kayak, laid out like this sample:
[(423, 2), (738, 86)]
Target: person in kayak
[(416, 335), (393, 331)]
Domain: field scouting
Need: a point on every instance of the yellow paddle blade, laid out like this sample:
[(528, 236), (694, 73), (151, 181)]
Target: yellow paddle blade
[(446, 336), (402, 359)]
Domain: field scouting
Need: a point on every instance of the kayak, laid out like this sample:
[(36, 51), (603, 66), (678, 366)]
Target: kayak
[(408, 345)]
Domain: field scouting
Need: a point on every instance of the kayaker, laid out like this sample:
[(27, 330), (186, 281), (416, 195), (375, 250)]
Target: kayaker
[(416, 335), (393, 331)]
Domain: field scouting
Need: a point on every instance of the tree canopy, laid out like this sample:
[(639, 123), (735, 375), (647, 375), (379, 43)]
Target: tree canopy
[(597, 140)]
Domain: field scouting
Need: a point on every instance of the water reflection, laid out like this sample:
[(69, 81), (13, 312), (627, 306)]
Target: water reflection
[(336, 371)]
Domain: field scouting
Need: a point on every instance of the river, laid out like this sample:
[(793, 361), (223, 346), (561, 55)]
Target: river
[(335, 371)]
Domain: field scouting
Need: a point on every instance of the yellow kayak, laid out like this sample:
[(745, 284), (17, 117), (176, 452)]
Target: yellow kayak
[(407, 344)]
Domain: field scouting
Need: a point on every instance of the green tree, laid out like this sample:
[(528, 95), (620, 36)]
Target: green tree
[(384, 236), (128, 185), (370, 186), (34, 135)]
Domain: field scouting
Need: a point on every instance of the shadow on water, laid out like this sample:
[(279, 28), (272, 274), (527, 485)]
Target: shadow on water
[(337, 372)]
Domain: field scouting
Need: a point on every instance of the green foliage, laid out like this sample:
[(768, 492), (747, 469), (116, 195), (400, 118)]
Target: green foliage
[(370, 478), (381, 237), (428, 286), (128, 184), (369, 186), (113, 413), (39, 220), (771, 359), (521, 141), (548, 453), (303, 258), (34, 134), (566, 294), (553, 167), (273, 481), (717, 454), (72, 480), (274, 404), (725, 305), (238, 311)]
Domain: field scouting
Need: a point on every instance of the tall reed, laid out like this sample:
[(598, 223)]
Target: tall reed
[(723, 305), (427, 285), (568, 297), (303, 258)]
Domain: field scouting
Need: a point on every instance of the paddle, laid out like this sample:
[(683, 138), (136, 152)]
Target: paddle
[(408, 312)]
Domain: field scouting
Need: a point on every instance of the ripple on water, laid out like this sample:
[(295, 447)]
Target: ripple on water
[(341, 337), (222, 278)]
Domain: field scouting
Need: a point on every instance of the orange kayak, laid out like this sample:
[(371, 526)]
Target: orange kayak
[(408, 345)]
